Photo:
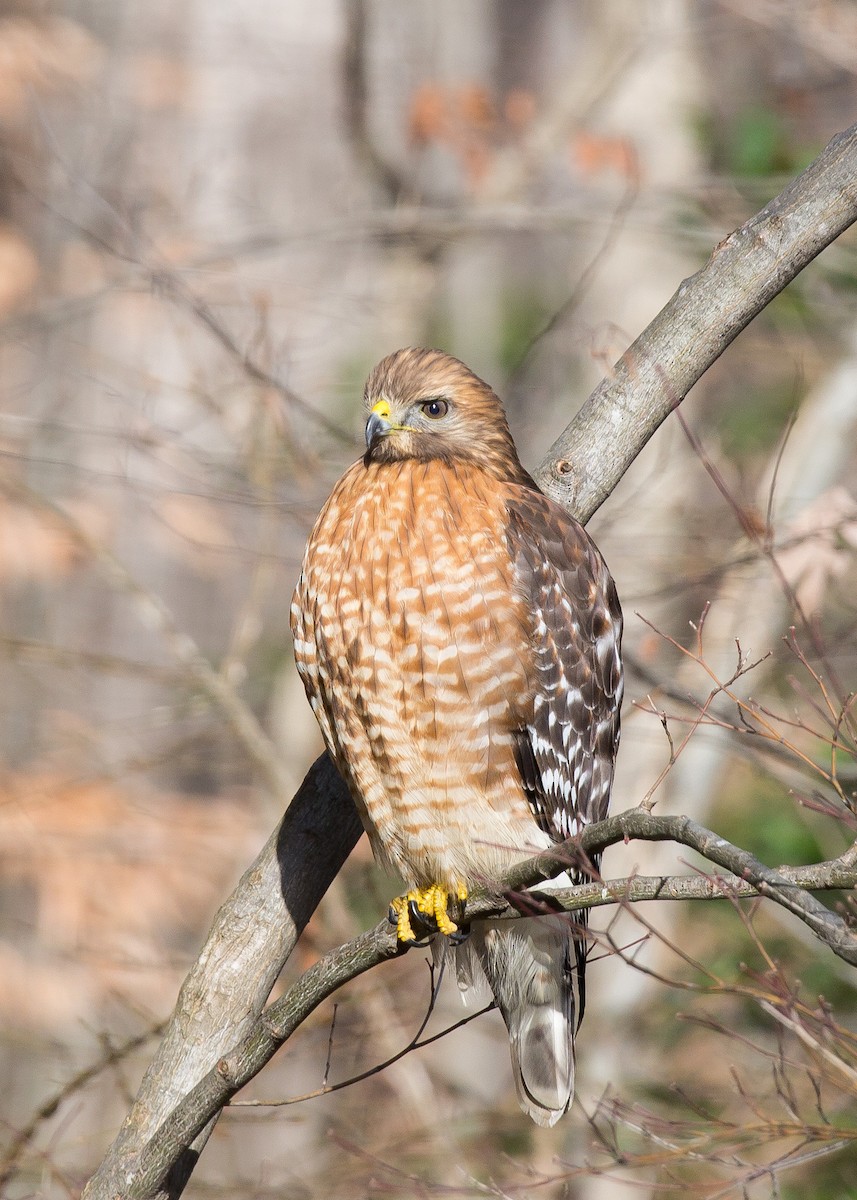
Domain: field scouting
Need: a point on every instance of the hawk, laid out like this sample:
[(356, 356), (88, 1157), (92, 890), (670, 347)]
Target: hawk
[(458, 635)]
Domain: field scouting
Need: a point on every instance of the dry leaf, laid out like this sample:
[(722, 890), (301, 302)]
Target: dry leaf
[(595, 153), (158, 82), (192, 529), (519, 108), (428, 118), (475, 108)]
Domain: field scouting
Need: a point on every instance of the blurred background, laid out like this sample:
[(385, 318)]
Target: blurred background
[(214, 219)]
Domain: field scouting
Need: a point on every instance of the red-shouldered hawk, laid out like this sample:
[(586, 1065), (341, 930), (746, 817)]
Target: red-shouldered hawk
[(458, 635)]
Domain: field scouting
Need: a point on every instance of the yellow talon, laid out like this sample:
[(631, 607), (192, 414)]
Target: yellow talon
[(433, 901), (404, 929), (436, 902)]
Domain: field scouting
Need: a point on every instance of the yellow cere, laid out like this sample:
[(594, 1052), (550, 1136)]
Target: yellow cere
[(382, 408)]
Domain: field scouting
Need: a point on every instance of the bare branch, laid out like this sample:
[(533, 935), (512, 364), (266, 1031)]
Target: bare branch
[(772, 884), (17, 1147), (417, 1042), (167, 282), (273, 1027), (744, 273), (251, 939)]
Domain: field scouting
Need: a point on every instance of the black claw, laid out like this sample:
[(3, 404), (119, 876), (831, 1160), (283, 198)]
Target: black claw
[(425, 920), (418, 919), (416, 943), (425, 925)]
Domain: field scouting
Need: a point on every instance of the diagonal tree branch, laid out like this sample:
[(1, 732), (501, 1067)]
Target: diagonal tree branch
[(744, 273), (589, 458), (749, 877), (251, 938)]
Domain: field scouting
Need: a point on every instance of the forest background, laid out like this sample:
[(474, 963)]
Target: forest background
[(214, 219)]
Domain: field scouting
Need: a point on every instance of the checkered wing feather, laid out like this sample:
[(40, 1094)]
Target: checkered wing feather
[(566, 752)]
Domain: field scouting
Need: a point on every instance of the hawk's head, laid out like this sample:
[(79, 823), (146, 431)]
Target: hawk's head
[(425, 404)]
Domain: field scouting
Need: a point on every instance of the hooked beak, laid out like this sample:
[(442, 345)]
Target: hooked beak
[(378, 425)]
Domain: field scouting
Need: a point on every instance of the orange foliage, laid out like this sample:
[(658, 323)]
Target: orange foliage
[(114, 882), (595, 153), (466, 121), (428, 119), (475, 108), (19, 270), (157, 81), (519, 108), (191, 529)]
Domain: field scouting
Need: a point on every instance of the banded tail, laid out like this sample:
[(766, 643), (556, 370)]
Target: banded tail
[(530, 967)]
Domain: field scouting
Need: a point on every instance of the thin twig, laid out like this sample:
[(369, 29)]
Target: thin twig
[(154, 613), (285, 1015), (113, 1054), (417, 1042)]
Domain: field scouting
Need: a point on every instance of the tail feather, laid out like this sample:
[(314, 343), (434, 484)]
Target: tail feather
[(529, 967)]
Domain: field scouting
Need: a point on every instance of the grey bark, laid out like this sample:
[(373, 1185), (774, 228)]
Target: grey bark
[(251, 938), (744, 273), (744, 876), (256, 929)]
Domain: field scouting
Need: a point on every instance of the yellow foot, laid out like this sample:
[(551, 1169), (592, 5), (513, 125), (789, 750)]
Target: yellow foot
[(430, 903)]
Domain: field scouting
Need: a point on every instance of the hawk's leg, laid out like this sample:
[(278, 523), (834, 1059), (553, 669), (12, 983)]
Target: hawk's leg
[(428, 909)]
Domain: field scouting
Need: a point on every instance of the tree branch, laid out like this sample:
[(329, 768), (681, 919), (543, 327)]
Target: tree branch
[(786, 886), (250, 940), (744, 273)]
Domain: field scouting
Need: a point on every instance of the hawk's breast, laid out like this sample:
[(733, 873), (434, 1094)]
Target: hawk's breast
[(416, 653)]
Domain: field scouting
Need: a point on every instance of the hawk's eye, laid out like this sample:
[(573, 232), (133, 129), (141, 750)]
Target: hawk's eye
[(435, 408)]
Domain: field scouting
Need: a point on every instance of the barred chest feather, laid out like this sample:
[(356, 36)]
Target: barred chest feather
[(415, 647)]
